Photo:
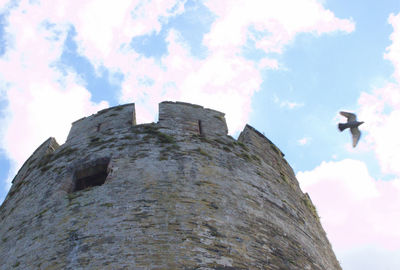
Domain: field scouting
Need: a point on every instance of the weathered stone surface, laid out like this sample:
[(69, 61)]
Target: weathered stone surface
[(191, 119), (105, 121), (174, 197)]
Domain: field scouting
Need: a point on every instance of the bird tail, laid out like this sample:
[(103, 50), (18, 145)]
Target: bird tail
[(341, 126)]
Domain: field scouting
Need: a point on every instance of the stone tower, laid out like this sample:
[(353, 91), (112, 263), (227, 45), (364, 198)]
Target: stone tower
[(177, 194)]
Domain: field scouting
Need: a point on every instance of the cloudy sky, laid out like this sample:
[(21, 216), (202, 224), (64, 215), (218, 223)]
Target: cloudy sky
[(285, 67)]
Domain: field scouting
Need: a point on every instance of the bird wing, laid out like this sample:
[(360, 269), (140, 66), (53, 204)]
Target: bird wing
[(356, 135), (350, 116)]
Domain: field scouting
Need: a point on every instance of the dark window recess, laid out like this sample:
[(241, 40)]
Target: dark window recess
[(200, 128), (91, 174), (98, 127)]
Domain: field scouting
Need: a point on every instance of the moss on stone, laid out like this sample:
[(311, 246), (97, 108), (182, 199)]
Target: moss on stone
[(50, 157), (227, 149), (202, 152), (241, 145), (94, 141), (245, 156), (164, 138), (219, 117), (107, 204), (41, 213), (151, 131), (16, 188), (45, 168), (256, 158), (307, 201), (276, 149)]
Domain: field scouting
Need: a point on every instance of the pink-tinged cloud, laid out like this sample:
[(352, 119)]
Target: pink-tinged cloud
[(393, 51), (268, 63), (104, 31), (355, 209), (278, 22), (224, 74), (36, 32), (44, 109), (369, 258), (105, 27), (380, 109), (208, 81), (41, 101), (361, 214), (304, 141), (286, 104)]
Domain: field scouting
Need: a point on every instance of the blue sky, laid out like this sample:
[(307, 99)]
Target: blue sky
[(285, 67)]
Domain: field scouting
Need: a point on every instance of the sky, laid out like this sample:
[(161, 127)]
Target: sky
[(285, 67)]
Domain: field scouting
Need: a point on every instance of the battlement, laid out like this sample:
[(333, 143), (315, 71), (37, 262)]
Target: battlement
[(113, 118), (257, 141), (191, 119), (178, 118), (179, 193), (47, 147), (175, 118)]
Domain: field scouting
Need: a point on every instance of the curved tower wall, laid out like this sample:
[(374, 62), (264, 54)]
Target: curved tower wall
[(177, 194)]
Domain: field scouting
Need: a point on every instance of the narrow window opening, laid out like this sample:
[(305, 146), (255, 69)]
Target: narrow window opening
[(91, 174), (98, 127), (200, 128)]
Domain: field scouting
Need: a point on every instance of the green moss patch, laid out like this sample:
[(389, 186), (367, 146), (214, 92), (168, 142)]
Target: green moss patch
[(307, 201), (202, 152)]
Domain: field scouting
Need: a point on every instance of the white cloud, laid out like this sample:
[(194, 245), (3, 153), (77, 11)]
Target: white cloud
[(355, 208), (105, 27), (359, 213), (304, 141), (287, 104), (207, 82), (381, 112), (269, 63), (290, 104), (40, 97), (42, 110), (4, 4), (380, 109), (393, 51), (42, 101), (369, 258), (224, 74), (278, 21)]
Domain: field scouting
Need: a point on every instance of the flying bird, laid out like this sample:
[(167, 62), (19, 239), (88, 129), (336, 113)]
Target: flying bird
[(353, 124)]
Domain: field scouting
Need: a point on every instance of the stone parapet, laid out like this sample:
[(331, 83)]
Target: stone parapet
[(191, 119), (267, 151), (177, 194), (46, 148), (104, 121)]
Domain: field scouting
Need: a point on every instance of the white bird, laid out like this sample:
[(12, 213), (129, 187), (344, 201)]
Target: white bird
[(353, 124)]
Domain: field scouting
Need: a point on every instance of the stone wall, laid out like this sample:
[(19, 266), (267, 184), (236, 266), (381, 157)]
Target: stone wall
[(105, 121), (191, 119), (164, 195), (47, 147)]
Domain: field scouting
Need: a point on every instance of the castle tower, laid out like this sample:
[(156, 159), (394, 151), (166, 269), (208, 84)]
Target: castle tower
[(177, 194)]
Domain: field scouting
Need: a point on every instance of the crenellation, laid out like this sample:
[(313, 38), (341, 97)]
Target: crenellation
[(254, 139), (104, 121), (47, 147), (191, 119), (267, 150), (260, 145), (179, 193)]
